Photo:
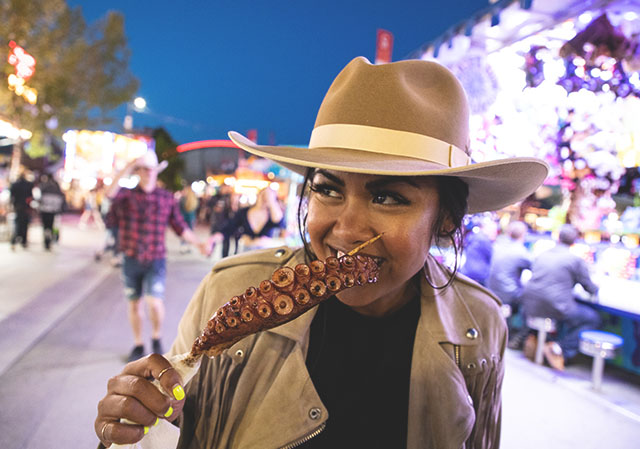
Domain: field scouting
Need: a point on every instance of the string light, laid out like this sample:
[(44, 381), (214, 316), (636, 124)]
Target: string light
[(25, 67)]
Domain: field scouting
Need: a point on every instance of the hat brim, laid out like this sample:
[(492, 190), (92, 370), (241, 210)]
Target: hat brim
[(492, 185)]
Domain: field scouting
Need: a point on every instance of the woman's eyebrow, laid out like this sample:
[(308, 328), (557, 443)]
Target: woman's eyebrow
[(330, 176), (382, 182)]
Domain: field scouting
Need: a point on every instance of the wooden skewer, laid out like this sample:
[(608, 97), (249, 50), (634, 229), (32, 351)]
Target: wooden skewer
[(367, 243)]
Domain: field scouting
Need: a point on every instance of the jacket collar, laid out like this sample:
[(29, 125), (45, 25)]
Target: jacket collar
[(443, 312)]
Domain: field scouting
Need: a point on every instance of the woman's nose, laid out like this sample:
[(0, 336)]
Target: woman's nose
[(352, 224)]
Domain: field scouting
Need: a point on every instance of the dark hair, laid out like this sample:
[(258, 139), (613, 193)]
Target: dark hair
[(516, 230), (453, 194), (568, 234), (302, 212), (452, 197), (452, 207)]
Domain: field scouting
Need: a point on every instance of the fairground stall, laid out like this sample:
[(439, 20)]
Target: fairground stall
[(559, 79)]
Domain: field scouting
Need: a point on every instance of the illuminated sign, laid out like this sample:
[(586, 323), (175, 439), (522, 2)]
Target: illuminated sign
[(206, 144)]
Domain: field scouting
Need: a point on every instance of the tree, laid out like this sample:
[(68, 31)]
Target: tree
[(81, 73), (166, 151)]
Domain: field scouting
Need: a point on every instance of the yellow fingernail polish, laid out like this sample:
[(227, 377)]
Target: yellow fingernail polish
[(169, 412), (178, 392), (146, 430), (157, 421)]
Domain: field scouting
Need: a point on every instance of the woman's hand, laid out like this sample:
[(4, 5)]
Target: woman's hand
[(271, 197), (132, 396), (213, 240), (275, 210)]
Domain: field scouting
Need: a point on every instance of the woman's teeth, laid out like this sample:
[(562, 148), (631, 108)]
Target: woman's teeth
[(337, 253)]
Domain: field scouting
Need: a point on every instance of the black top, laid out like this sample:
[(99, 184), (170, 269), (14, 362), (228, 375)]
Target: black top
[(239, 225), (221, 211), (360, 367), (21, 195)]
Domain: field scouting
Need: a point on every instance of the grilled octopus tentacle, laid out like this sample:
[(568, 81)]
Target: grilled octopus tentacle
[(285, 296)]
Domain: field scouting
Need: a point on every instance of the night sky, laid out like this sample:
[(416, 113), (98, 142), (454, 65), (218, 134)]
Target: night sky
[(206, 67)]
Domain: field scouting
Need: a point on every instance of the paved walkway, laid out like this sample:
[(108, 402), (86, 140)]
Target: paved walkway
[(64, 332), (543, 409)]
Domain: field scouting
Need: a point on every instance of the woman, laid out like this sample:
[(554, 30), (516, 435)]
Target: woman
[(223, 205), (188, 208), (254, 226), (52, 203), (92, 210), (414, 360)]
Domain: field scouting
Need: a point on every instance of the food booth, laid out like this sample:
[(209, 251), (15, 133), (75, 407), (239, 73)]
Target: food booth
[(559, 80)]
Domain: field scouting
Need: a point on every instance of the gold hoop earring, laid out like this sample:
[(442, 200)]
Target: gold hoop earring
[(425, 270)]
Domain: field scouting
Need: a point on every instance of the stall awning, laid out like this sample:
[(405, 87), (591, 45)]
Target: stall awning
[(508, 21)]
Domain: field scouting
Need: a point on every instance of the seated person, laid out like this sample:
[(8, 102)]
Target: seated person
[(479, 250), (549, 294), (509, 260)]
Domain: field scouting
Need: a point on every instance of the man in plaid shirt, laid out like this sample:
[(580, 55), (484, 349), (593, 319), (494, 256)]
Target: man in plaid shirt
[(142, 215)]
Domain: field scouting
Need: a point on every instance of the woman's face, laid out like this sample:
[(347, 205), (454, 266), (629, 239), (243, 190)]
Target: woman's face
[(347, 209)]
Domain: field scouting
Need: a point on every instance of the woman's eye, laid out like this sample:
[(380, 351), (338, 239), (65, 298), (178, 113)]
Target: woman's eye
[(389, 198), (325, 190)]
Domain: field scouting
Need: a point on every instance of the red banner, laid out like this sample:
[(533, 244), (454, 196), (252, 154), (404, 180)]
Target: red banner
[(384, 46), (252, 135)]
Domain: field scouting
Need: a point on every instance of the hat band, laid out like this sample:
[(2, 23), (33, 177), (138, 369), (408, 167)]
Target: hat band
[(388, 141)]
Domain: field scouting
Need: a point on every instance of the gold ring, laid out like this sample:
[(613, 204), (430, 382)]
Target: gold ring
[(162, 372), (104, 427)]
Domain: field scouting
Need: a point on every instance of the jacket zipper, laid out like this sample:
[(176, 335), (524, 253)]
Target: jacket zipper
[(305, 438), (456, 354)]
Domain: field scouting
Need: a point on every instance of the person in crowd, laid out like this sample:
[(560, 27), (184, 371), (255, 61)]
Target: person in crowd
[(92, 210), (111, 236), (51, 203), (414, 360), (111, 241), (255, 226), (142, 215), (188, 209), (549, 294), (479, 250), (222, 210), (509, 260), (21, 196)]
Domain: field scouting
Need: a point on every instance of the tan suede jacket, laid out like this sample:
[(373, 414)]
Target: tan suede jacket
[(259, 394)]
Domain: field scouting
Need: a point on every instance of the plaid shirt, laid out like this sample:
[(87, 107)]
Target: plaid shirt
[(142, 219)]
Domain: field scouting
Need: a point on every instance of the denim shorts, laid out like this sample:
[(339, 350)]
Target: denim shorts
[(144, 278)]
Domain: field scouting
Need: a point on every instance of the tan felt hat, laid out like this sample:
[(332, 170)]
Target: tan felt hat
[(405, 118)]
